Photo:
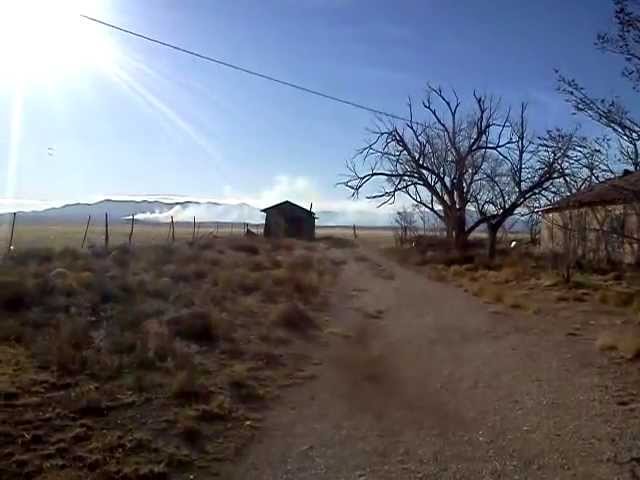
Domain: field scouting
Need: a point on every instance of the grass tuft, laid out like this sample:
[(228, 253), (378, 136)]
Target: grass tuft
[(194, 325), (295, 318)]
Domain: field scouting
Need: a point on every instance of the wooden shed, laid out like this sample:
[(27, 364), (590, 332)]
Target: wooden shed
[(286, 219)]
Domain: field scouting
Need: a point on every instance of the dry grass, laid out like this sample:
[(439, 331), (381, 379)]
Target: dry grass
[(147, 331), (626, 343), (195, 324), (337, 242), (294, 317), (523, 280)]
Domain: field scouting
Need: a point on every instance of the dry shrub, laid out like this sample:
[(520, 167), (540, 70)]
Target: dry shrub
[(337, 242), (626, 343), (582, 282), (257, 265), (242, 387), (616, 297), (186, 385), (15, 294), (195, 325), (457, 272), (85, 280), (37, 256), (199, 273), (275, 263), (294, 317), (629, 346), (67, 346), (549, 281), (438, 274), (457, 259), (304, 284), (248, 283), (13, 330), (516, 303), (492, 293), (218, 409), (119, 342), (246, 246), (121, 257), (189, 429), (303, 262), (161, 345), (511, 273)]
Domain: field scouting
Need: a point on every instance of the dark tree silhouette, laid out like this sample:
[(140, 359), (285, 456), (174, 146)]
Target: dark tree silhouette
[(436, 162), (517, 174), (611, 113)]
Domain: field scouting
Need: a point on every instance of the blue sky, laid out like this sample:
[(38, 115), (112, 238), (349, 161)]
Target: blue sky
[(145, 120)]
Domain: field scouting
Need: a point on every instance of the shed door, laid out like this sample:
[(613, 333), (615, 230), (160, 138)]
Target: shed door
[(296, 227)]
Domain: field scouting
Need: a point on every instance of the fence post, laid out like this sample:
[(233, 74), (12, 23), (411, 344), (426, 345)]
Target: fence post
[(86, 230), (355, 232), (193, 237), (133, 219), (106, 230), (173, 231), (13, 226)]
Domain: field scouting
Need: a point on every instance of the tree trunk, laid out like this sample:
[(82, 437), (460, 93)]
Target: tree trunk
[(460, 231), (492, 230)]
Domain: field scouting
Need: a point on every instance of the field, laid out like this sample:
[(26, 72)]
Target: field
[(71, 235), (243, 357), (141, 363)]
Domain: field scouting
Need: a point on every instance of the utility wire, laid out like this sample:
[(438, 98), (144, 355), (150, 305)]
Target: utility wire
[(246, 70)]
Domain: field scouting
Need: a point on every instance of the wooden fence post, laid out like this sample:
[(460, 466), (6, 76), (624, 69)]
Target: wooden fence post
[(193, 236), (86, 230), (355, 232), (106, 230), (133, 219), (13, 227), (173, 231)]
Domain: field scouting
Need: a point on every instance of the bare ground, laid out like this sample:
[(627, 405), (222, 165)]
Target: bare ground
[(421, 380)]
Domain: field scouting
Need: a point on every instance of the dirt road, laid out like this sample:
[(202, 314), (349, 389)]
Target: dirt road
[(421, 380)]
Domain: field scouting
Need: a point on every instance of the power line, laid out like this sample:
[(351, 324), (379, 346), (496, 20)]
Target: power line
[(246, 70)]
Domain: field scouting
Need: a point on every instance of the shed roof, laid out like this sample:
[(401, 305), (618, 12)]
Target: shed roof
[(616, 191), (287, 205)]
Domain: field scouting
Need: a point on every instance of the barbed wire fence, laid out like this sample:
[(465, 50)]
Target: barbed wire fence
[(96, 233)]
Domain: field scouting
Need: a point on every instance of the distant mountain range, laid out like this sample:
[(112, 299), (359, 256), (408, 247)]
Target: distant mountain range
[(160, 211)]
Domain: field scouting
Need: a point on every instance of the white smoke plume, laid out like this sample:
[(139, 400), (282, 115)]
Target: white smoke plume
[(206, 212)]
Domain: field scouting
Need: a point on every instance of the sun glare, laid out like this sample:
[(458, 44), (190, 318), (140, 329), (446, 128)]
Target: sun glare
[(44, 40)]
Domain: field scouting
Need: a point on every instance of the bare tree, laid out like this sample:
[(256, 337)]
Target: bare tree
[(405, 219), (625, 41), (534, 226), (426, 219), (516, 174), (436, 162), (611, 113)]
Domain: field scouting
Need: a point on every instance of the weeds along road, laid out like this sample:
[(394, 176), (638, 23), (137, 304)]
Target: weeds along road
[(420, 380)]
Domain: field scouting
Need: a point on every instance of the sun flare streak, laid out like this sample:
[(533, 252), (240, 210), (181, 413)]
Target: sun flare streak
[(15, 138), (136, 88)]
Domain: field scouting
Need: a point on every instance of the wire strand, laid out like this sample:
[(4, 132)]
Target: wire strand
[(248, 71)]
